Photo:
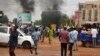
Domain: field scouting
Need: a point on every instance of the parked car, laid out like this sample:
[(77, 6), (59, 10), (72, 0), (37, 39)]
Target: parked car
[(24, 40)]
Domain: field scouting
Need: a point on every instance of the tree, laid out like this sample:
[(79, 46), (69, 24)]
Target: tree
[(38, 22), (65, 20), (4, 19)]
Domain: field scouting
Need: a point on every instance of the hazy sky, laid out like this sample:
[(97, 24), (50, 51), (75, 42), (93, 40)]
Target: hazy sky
[(11, 8), (71, 5)]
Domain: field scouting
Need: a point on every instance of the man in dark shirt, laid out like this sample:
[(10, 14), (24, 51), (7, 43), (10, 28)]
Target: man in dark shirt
[(13, 39)]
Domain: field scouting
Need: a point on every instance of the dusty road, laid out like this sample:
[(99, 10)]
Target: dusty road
[(45, 49), (86, 51)]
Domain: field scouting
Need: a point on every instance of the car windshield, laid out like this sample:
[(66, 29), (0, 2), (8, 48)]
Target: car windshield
[(3, 30)]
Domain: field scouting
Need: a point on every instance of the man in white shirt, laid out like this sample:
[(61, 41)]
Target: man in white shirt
[(72, 39), (75, 35), (94, 36)]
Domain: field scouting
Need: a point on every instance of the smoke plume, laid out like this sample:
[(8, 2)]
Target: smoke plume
[(27, 5), (51, 4), (52, 16)]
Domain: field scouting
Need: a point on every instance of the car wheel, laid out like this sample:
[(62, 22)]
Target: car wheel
[(26, 44)]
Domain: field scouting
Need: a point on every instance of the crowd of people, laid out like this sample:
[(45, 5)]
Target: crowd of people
[(93, 31), (67, 36)]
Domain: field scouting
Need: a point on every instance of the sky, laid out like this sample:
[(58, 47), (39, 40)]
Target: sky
[(11, 8), (70, 6)]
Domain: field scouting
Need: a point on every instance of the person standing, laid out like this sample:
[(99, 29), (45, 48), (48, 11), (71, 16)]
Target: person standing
[(35, 36), (50, 35), (76, 35), (25, 29), (63, 37), (94, 36), (44, 33), (72, 39), (13, 39)]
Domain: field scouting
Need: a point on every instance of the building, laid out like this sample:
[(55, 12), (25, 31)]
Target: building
[(76, 18), (90, 12)]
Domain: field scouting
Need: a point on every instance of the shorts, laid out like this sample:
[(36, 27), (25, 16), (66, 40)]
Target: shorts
[(35, 43)]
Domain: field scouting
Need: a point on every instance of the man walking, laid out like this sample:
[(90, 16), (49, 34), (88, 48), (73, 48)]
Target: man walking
[(44, 33), (13, 39), (72, 39), (76, 35), (64, 40), (35, 36)]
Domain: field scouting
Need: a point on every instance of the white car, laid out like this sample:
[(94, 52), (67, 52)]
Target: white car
[(24, 40)]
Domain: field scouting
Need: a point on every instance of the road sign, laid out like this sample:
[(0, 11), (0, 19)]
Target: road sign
[(24, 17)]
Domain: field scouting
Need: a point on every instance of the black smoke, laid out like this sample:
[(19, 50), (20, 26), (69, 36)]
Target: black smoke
[(56, 4), (51, 15), (27, 5), (52, 4)]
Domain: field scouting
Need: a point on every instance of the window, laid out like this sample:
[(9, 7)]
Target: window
[(99, 6), (95, 15), (89, 16), (94, 6), (3, 30), (83, 15), (81, 6)]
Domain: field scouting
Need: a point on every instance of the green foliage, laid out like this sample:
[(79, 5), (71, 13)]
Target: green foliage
[(72, 23), (4, 19), (67, 21), (38, 22)]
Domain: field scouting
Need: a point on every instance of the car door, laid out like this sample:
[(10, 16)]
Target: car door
[(4, 36), (20, 38)]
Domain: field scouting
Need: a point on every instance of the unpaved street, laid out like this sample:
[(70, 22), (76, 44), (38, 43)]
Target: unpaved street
[(45, 49)]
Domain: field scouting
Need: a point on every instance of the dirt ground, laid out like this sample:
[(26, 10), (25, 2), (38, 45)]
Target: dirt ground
[(44, 49), (87, 51)]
